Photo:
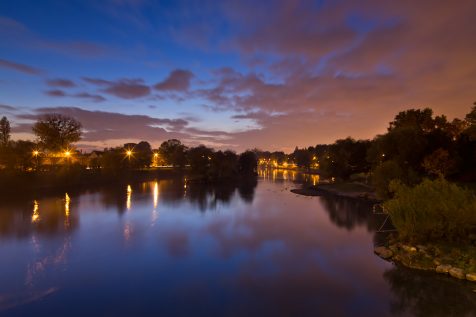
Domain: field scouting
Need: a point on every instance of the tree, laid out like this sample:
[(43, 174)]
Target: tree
[(142, 154), (18, 155), (438, 163), (173, 152), (4, 131), (57, 132), (199, 159), (247, 163), (303, 158), (470, 119), (223, 164)]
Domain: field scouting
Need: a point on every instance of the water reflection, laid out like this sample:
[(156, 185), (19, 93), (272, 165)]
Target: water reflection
[(129, 196), (172, 247), (426, 294), (282, 175), (36, 215)]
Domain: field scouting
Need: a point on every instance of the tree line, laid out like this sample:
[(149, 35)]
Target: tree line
[(416, 145), (56, 135)]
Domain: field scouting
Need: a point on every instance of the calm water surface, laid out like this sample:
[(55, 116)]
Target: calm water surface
[(163, 248)]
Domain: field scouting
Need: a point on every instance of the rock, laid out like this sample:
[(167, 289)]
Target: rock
[(408, 248), (471, 277), (383, 252), (437, 262), (457, 272), (393, 248), (422, 248), (443, 268)]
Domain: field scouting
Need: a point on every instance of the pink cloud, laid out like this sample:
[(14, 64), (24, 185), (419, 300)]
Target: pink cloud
[(178, 80), (20, 67)]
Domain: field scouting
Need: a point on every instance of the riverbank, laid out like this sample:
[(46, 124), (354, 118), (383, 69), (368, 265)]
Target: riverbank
[(345, 189), (452, 260)]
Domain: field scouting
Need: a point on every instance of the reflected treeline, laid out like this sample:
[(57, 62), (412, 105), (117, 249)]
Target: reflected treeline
[(427, 294), (349, 213), (47, 216), (281, 175), (55, 214), (204, 196)]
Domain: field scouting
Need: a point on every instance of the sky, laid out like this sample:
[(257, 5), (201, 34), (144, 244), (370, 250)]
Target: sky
[(234, 74)]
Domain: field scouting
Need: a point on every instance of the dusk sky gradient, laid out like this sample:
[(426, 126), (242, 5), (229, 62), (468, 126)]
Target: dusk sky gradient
[(234, 74)]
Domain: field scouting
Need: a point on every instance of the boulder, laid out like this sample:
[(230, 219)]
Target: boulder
[(457, 273), (409, 248), (443, 268), (383, 252), (471, 277)]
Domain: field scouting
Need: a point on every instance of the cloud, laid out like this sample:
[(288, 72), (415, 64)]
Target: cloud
[(178, 80), (7, 107), (104, 126), (56, 93), (81, 95), (18, 34), (91, 97), (122, 88), (60, 82), (22, 68)]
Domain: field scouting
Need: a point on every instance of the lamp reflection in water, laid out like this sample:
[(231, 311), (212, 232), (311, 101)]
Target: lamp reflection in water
[(67, 202), (128, 199), (155, 214), (36, 215), (156, 194)]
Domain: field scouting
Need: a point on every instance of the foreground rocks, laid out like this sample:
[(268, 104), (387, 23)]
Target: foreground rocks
[(457, 263)]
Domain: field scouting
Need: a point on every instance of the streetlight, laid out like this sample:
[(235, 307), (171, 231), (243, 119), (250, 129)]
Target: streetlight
[(129, 154), (67, 155), (35, 154)]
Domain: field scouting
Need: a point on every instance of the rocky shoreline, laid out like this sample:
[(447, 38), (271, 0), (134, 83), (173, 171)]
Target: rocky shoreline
[(455, 262), (330, 189)]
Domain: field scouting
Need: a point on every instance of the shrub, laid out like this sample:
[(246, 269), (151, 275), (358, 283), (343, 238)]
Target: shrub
[(383, 175), (432, 210)]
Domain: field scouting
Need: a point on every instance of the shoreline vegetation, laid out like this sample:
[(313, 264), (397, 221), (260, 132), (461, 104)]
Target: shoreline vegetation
[(421, 170)]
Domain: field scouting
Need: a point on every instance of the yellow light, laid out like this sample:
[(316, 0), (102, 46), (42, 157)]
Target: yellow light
[(67, 201), (128, 198), (129, 152), (156, 194), (155, 154), (67, 153), (36, 215), (35, 153)]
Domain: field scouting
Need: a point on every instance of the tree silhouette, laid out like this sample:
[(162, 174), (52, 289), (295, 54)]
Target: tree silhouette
[(4, 131), (57, 132)]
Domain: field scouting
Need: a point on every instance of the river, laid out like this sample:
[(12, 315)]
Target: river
[(170, 248)]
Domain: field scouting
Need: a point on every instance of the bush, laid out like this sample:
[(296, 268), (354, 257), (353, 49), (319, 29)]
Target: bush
[(383, 175), (432, 210)]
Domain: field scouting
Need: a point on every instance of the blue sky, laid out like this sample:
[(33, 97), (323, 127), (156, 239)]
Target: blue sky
[(237, 74)]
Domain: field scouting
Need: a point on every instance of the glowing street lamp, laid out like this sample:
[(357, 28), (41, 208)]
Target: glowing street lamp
[(35, 154)]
